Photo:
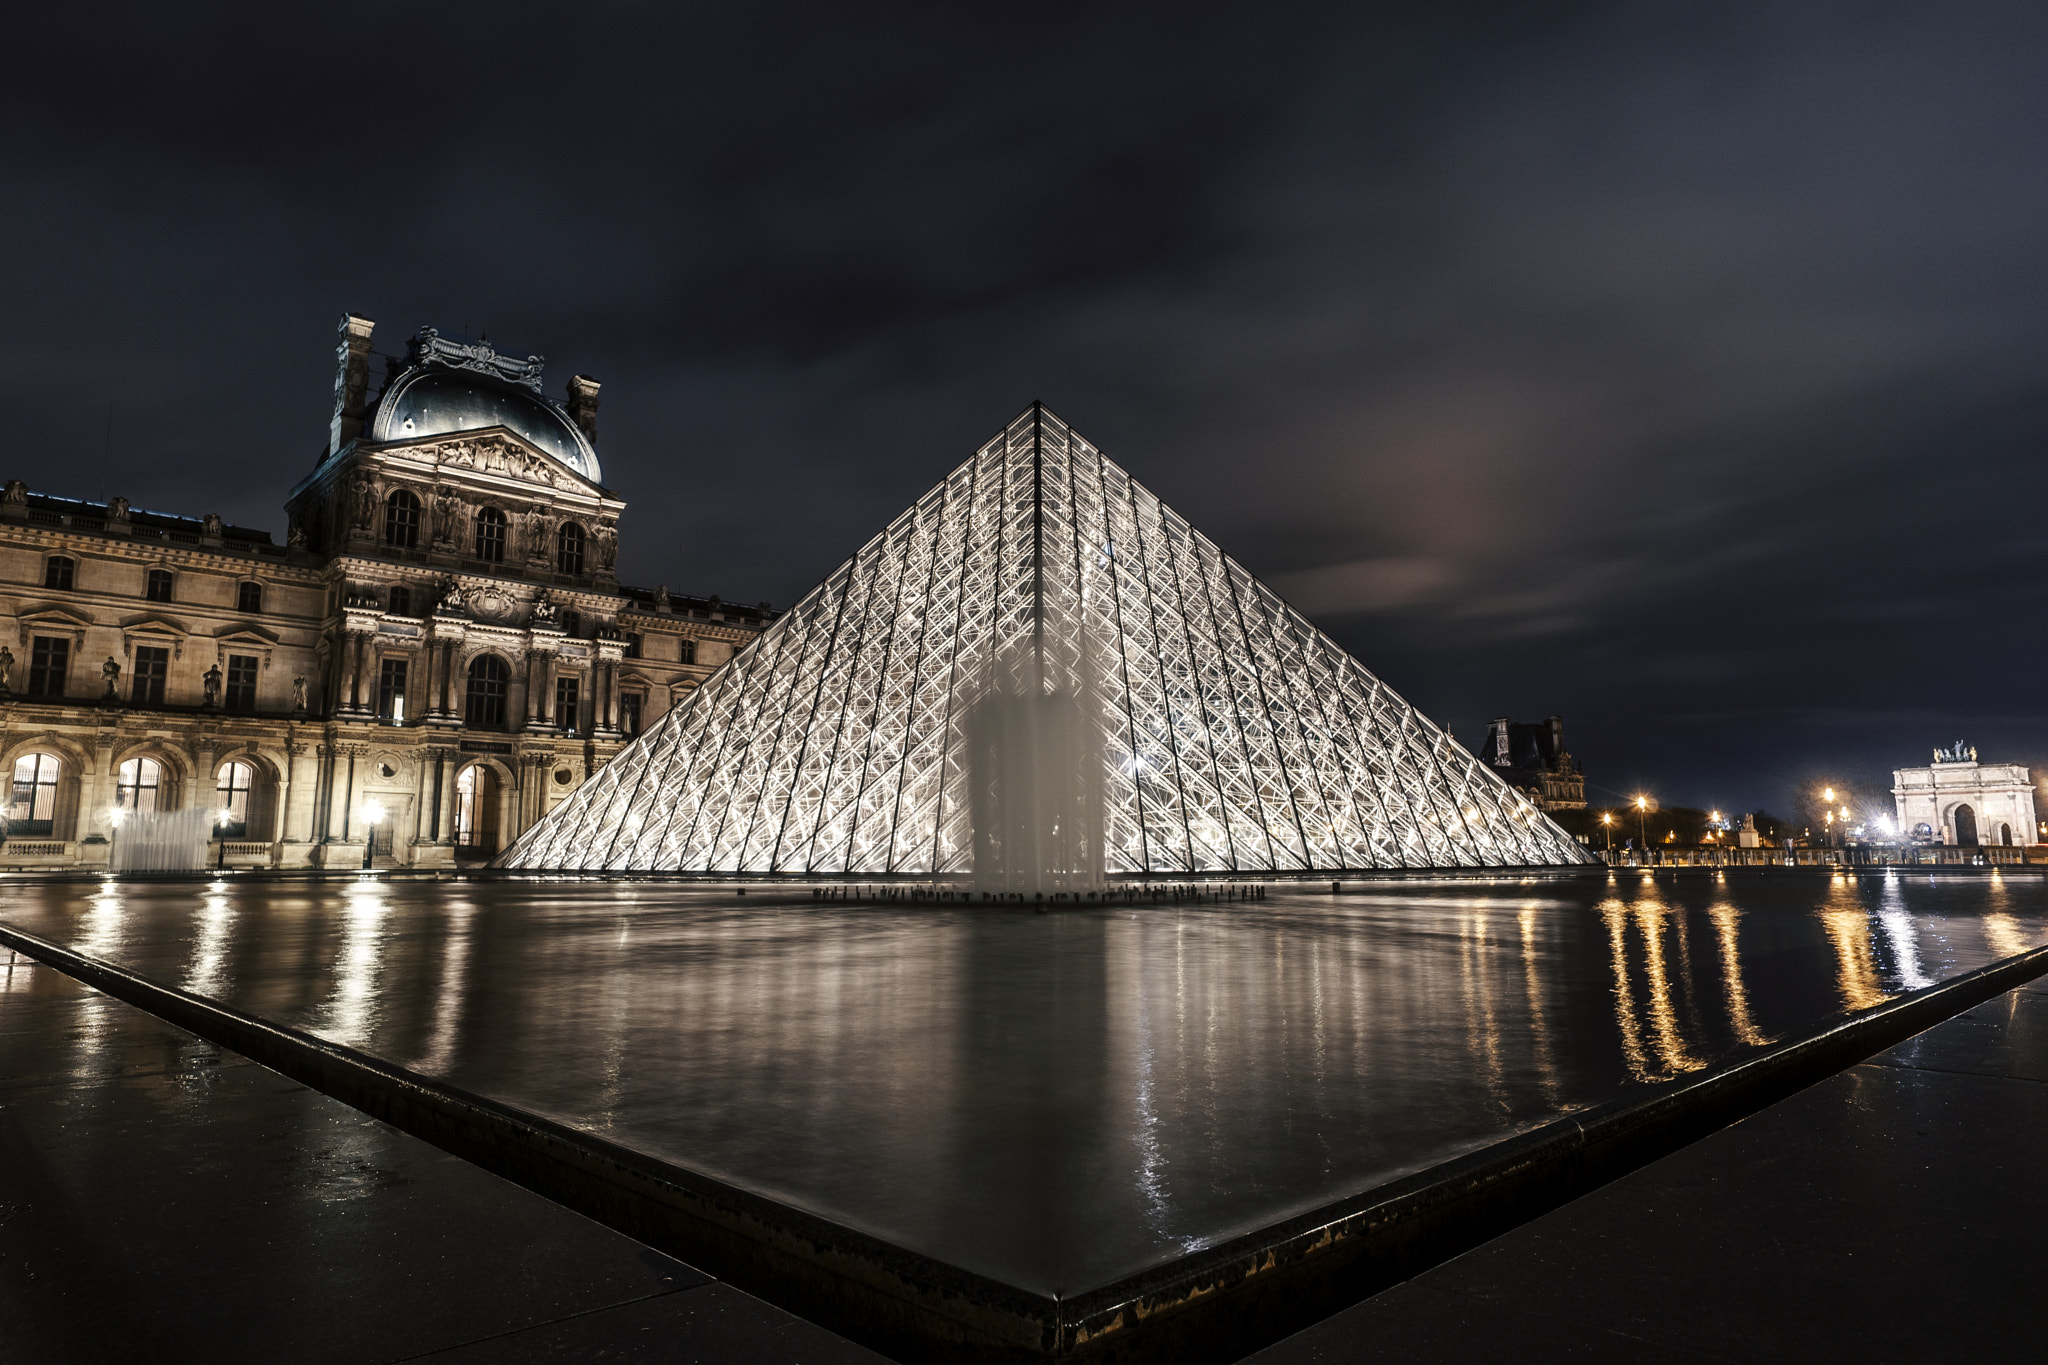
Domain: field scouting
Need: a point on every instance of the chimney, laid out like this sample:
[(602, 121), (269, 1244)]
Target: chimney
[(1501, 757), (583, 404), (351, 380), (1556, 735)]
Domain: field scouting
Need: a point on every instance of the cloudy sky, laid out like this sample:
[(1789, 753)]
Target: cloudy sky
[(1681, 369)]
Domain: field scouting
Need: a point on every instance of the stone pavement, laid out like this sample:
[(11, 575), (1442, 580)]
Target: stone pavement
[(1895, 1212), (163, 1200)]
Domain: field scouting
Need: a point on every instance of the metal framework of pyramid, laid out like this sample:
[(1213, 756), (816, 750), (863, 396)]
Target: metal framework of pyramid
[(1231, 734)]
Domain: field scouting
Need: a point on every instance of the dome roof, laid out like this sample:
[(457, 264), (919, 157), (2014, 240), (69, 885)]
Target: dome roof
[(433, 401)]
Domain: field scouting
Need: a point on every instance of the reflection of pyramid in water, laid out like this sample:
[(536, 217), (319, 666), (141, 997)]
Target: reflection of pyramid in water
[(1232, 735)]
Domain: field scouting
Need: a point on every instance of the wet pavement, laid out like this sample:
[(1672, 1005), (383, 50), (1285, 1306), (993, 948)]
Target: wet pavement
[(1890, 1213), (161, 1200), (1051, 1100)]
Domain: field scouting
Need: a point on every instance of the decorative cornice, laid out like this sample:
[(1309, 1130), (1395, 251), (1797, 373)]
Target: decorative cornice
[(430, 348)]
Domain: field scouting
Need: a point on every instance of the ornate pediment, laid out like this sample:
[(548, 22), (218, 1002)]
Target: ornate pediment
[(498, 452)]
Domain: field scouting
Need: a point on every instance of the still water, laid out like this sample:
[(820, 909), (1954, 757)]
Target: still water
[(1053, 1100)]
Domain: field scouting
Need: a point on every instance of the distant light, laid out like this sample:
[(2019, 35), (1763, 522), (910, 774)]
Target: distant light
[(116, 816), (1828, 794), (223, 816), (373, 812)]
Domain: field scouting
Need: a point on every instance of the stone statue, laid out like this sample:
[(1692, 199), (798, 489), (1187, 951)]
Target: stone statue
[(536, 533), (295, 538), (366, 500), (111, 671), (661, 598), (212, 681), (445, 508), (607, 538), (454, 601), (543, 612), (117, 509), (211, 526), (299, 694), (6, 669), (17, 493)]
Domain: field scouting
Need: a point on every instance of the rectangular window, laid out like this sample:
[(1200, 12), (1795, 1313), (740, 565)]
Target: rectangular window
[(686, 652), (568, 696), (391, 690), (159, 587), (401, 601), (242, 682), (47, 663), (57, 574), (632, 645), (152, 667), (629, 712)]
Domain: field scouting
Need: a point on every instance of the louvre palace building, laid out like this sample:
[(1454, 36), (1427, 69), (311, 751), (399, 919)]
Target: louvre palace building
[(438, 653)]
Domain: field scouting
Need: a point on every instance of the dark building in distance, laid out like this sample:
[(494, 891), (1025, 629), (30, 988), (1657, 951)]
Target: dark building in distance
[(442, 637), (1532, 758)]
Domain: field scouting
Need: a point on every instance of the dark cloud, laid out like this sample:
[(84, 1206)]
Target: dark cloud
[(1676, 368)]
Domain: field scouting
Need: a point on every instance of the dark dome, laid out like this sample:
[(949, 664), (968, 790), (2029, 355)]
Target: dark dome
[(440, 402)]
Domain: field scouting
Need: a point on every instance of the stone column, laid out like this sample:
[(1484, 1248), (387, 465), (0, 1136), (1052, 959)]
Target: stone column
[(444, 796)]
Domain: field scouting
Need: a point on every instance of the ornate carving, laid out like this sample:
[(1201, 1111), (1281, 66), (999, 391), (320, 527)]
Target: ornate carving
[(536, 522), (492, 604), (16, 494), (299, 694), (296, 536), (454, 599), (543, 613), (6, 669), (117, 509), (363, 491), (211, 679), (498, 455), (607, 537), (111, 671), (429, 348), (211, 526), (446, 507)]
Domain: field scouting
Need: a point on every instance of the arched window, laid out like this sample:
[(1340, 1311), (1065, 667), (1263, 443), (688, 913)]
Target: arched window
[(490, 535), (58, 571), (402, 520), (569, 548), (237, 781), (249, 598), (32, 805), (138, 785), (486, 702), (159, 589), (476, 808)]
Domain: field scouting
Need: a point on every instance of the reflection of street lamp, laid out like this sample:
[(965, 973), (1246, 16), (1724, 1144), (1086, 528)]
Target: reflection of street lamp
[(221, 820), (373, 814)]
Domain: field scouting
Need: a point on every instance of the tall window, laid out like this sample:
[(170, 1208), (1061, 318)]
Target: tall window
[(138, 785), (572, 624), (58, 572), (250, 598), (152, 667), (237, 780), (568, 698), (686, 652), (629, 712), (401, 602), (32, 805), (391, 690), (466, 812), (159, 589), (490, 535), (242, 682), (632, 644), (47, 662), (569, 548), (402, 520), (486, 702)]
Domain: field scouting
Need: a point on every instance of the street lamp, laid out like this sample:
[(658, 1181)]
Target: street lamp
[(373, 815), (114, 819), (221, 820), (1642, 819), (1607, 819)]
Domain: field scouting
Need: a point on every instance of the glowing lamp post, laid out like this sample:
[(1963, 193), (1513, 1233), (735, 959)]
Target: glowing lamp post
[(221, 820), (373, 815), (1642, 824), (1607, 822)]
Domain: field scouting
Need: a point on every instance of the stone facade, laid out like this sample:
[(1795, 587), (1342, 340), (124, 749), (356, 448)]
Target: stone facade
[(442, 635), (1959, 801), (1533, 759)]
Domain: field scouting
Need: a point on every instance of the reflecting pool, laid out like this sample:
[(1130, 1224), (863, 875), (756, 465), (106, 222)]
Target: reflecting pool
[(1054, 1100)]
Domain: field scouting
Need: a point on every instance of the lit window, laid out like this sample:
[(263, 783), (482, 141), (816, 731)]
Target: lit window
[(237, 780), (490, 535), (159, 589), (402, 520), (32, 805), (138, 784), (391, 690)]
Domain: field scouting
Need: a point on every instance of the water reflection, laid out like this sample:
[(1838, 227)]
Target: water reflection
[(1055, 1099)]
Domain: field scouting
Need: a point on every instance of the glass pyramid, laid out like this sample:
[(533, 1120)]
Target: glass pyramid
[(1039, 675)]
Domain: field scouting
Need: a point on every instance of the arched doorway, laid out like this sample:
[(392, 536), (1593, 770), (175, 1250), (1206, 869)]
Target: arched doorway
[(1966, 826), (477, 798), (2005, 835)]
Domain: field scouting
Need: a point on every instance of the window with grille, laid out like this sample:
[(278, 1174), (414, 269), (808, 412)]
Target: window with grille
[(569, 548), (401, 602), (138, 785), (59, 571), (568, 698), (402, 520), (159, 589), (237, 780), (242, 682), (485, 706), (32, 804), (250, 598), (490, 535), (391, 690), (629, 712), (686, 651), (152, 669), (47, 662)]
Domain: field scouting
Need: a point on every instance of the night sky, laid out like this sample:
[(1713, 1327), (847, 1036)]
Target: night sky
[(1680, 369)]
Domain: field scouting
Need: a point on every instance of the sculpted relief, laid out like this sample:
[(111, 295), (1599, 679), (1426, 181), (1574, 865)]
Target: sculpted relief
[(497, 455)]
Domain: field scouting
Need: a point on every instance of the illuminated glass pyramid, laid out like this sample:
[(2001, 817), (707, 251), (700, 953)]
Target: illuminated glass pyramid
[(1040, 675)]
